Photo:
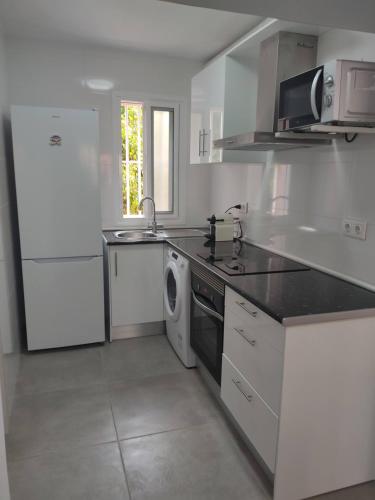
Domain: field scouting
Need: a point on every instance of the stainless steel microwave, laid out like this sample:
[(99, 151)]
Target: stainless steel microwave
[(339, 92)]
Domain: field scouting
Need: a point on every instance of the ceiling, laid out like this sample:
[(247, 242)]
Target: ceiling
[(147, 25), (333, 13)]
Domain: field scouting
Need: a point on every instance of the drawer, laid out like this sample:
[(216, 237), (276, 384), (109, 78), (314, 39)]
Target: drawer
[(255, 418), (249, 349), (255, 318)]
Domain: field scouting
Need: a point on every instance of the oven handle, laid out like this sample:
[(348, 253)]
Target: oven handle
[(314, 86), (206, 309)]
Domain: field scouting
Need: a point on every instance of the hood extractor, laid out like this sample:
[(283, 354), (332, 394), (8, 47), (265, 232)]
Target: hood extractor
[(281, 56)]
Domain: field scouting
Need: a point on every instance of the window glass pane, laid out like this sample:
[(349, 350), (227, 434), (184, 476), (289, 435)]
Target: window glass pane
[(162, 158), (132, 157)]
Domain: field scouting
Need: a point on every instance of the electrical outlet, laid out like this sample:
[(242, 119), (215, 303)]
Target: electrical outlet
[(354, 228)]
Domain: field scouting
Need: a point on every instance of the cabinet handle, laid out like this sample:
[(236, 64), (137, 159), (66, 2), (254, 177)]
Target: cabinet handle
[(237, 383), (204, 135), (242, 333), (254, 314), (199, 147), (116, 264)]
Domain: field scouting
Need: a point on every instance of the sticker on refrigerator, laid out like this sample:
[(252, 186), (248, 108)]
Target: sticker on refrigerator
[(55, 140)]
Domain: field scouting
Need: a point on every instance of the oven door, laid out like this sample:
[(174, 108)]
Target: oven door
[(207, 333), (300, 100)]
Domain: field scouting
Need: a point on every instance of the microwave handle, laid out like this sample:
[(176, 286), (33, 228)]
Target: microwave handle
[(313, 95)]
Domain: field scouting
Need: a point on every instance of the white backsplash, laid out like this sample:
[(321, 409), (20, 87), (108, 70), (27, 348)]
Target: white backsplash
[(298, 200)]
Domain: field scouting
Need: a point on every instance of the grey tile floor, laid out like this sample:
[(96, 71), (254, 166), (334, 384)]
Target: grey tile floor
[(127, 421)]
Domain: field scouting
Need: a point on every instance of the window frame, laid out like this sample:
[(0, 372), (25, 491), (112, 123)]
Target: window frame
[(149, 102), (172, 147)]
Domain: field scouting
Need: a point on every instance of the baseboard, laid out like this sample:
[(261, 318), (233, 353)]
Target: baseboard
[(138, 330)]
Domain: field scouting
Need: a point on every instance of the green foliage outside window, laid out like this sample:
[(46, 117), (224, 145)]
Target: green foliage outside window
[(132, 156)]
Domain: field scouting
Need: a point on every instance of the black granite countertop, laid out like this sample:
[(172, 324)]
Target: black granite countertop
[(291, 297)]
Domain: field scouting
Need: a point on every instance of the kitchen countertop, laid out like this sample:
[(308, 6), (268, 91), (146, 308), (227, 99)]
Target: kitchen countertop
[(168, 233), (292, 297)]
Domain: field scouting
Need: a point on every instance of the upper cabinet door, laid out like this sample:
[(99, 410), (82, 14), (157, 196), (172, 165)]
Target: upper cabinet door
[(223, 103), (207, 110)]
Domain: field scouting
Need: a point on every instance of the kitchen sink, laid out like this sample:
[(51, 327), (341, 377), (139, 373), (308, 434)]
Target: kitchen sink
[(138, 235)]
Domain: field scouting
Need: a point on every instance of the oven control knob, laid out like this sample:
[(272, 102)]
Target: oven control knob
[(329, 81), (328, 100)]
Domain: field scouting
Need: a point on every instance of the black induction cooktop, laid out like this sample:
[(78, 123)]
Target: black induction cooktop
[(239, 259)]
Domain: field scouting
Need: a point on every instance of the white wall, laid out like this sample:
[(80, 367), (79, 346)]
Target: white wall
[(9, 280), (321, 186), (8, 321), (54, 74)]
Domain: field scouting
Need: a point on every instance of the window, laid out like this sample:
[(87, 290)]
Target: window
[(132, 157), (148, 157), (162, 120)]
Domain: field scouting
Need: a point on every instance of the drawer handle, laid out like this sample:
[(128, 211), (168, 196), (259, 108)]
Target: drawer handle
[(254, 314), (243, 335), (237, 383)]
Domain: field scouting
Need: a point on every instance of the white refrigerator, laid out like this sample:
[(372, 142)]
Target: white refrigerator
[(57, 185)]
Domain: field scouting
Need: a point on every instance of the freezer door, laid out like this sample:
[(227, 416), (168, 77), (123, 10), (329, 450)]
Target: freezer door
[(64, 302), (56, 167)]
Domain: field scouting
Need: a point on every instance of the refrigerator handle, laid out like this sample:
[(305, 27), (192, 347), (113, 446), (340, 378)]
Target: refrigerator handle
[(64, 259), (116, 264)]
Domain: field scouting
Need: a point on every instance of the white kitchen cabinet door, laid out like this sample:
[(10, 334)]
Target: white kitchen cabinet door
[(136, 284), (223, 103), (64, 302), (207, 110)]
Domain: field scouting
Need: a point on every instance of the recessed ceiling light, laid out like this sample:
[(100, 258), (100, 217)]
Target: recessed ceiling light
[(99, 85), (308, 229)]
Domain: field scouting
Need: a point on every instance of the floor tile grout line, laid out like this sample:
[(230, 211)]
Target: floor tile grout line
[(95, 385), (120, 451), (59, 451), (176, 429)]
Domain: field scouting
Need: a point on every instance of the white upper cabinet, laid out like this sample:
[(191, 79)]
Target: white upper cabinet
[(223, 103)]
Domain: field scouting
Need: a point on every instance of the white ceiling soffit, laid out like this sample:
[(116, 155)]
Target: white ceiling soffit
[(345, 14), (146, 25)]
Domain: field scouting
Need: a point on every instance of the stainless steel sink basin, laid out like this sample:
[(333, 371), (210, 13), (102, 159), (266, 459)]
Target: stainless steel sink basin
[(138, 235)]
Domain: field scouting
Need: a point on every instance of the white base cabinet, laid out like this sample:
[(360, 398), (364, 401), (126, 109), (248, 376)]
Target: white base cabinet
[(253, 415), (136, 284), (303, 395)]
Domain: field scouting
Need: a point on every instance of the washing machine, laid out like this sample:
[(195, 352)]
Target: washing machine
[(177, 305)]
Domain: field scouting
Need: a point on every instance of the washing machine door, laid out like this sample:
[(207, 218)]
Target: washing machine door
[(172, 291)]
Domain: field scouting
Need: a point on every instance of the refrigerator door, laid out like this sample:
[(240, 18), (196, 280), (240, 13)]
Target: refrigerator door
[(64, 302), (57, 181)]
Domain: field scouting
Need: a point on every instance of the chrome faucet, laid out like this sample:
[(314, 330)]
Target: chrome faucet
[(153, 225)]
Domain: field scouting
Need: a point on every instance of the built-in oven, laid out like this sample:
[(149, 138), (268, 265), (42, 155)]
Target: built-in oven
[(340, 92), (207, 320)]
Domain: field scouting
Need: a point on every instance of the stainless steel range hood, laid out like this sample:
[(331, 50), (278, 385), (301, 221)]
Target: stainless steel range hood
[(281, 56), (268, 141)]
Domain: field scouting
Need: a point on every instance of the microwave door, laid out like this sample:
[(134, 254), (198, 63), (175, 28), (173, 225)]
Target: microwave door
[(301, 100)]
